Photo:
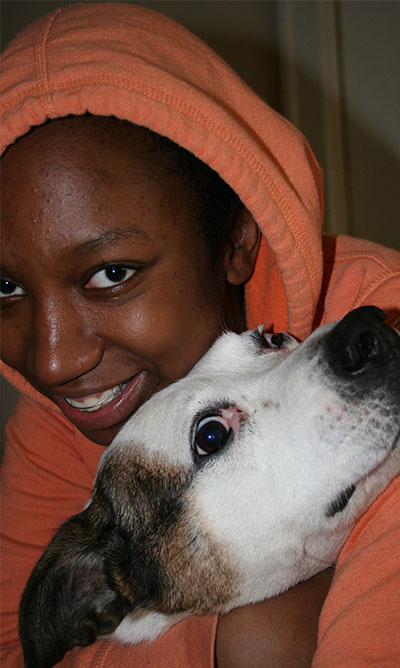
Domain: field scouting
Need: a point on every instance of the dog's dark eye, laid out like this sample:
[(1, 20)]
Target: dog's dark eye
[(211, 434)]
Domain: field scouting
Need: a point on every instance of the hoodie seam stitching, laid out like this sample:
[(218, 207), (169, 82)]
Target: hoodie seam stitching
[(374, 285), (347, 257), (41, 64)]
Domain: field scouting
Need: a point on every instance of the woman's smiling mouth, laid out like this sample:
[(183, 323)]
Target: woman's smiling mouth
[(93, 402), (108, 408)]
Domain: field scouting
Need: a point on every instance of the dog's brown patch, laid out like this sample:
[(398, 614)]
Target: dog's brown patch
[(200, 578), (169, 564), (134, 549)]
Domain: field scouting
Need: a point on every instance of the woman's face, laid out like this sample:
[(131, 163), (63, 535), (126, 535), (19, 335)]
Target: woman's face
[(107, 292)]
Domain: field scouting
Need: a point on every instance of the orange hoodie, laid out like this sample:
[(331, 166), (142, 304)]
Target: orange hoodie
[(133, 63)]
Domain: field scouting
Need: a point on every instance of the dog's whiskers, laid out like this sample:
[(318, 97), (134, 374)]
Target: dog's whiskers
[(191, 549), (224, 327)]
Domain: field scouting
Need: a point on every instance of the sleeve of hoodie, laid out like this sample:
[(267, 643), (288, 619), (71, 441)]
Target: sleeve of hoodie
[(48, 470), (358, 273), (359, 624)]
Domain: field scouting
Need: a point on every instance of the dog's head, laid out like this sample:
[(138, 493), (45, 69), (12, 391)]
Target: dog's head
[(227, 487)]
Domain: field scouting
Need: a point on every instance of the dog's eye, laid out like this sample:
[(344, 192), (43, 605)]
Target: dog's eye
[(211, 434)]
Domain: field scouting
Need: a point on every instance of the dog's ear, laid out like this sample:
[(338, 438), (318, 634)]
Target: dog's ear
[(69, 599)]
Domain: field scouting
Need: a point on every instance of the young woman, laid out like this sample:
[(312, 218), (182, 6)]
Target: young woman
[(123, 258)]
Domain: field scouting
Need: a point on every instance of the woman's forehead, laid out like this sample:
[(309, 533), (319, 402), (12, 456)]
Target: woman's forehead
[(84, 157), (67, 184), (88, 140)]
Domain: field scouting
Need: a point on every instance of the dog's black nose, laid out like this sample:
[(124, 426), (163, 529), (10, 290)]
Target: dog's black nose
[(361, 341)]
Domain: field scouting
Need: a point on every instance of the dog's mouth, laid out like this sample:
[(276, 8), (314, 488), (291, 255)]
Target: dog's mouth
[(93, 402)]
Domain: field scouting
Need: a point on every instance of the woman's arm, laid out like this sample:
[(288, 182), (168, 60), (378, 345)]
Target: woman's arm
[(280, 632)]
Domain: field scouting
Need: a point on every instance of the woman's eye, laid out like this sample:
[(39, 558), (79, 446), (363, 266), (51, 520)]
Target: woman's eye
[(211, 434), (110, 276), (10, 289)]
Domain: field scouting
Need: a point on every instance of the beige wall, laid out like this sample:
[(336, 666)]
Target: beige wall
[(340, 63), (370, 37)]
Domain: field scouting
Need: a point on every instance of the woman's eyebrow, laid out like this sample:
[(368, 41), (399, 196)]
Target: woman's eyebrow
[(109, 237)]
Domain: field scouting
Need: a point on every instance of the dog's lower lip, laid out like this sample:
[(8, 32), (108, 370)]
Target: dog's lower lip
[(132, 395)]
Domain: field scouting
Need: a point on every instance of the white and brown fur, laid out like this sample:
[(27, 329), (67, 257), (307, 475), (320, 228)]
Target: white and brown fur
[(312, 434)]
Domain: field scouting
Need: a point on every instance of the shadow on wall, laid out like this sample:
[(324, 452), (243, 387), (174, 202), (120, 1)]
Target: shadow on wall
[(373, 187), (366, 189)]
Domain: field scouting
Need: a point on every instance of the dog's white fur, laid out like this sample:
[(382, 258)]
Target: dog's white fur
[(171, 530), (299, 442)]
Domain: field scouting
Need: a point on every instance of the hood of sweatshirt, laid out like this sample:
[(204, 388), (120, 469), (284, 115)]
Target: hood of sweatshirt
[(136, 64)]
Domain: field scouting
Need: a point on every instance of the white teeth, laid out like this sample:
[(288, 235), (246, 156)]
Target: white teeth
[(96, 401)]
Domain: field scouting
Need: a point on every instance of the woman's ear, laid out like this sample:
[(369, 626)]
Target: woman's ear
[(241, 253)]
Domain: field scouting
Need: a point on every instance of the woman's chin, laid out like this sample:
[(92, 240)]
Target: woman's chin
[(102, 436)]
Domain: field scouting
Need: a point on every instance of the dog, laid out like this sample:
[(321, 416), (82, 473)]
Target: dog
[(229, 486)]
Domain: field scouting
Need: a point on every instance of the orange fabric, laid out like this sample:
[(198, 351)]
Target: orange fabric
[(136, 64), (360, 622)]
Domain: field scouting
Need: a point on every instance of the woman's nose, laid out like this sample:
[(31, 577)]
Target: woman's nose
[(63, 344)]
